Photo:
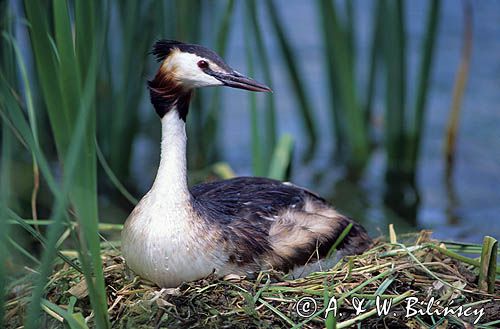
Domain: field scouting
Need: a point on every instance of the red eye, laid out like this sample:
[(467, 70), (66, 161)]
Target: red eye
[(203, 64)]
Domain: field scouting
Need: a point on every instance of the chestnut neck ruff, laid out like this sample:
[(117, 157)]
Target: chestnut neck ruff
[(166, 94)]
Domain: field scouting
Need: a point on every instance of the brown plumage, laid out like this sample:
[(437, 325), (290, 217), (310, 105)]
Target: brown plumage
[(265, 223)]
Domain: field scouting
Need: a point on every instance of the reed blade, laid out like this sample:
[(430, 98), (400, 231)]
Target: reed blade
[(488, 265), (6, 156), (209, 124), (299, 89), (269, 125), (423, 81), (458, 91), (395, 63), (257, 156), (347, 108), (375, 58), (279, 167)]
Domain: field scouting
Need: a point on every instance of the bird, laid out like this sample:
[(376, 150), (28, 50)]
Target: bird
[(239, 226)]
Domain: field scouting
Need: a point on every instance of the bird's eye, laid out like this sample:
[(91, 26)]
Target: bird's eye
[(203, 64)]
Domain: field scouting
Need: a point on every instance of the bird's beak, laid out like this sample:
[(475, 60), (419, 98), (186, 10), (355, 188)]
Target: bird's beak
[(237, 80)]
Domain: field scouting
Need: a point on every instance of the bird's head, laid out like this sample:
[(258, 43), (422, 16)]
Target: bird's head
[(185, 67)]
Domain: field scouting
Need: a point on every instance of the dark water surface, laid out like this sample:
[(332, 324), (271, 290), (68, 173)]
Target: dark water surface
[(467, 210)]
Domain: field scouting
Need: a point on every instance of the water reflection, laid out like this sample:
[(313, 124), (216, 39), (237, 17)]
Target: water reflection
[(402, 195)]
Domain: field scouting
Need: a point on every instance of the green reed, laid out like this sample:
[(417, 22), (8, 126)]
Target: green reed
[(351, 102), (66, 70), (350, 121), (404, 123), (294, 74), (6, 153), (121, 81)]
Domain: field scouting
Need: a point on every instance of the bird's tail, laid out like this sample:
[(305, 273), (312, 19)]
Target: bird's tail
[(356, 241)]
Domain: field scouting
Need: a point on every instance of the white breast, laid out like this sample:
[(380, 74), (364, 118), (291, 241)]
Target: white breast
[(162, 244)]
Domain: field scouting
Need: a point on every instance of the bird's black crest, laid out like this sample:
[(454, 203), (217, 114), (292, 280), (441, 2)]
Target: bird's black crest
[(162, 49)]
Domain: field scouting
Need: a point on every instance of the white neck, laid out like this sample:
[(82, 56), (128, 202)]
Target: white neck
[(170, 184)]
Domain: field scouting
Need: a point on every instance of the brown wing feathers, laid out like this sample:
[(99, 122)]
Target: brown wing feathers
[(301, 237), (266, 221)]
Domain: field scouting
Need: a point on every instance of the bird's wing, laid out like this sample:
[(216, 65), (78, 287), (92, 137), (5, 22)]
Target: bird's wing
[(279, 223), (260, 196)]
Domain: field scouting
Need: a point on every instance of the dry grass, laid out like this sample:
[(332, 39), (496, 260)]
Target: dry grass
[(419, 268)]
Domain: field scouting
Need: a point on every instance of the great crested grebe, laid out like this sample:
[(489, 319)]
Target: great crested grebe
[(240, 225)]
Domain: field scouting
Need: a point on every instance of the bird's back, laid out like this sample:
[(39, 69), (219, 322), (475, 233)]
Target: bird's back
[(267, 223)]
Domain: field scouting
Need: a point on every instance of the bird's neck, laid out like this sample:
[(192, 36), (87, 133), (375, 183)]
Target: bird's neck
[(170, 184)]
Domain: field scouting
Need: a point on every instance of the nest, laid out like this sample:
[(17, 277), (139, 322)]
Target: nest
[(393, 272)]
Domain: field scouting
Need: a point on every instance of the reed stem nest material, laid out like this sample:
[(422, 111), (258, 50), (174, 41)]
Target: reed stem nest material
[(420, 267)]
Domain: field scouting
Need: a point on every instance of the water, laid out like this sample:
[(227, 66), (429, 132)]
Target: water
[(471, 208), (465, 211)]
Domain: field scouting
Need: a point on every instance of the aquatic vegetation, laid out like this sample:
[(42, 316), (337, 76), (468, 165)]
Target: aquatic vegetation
[(72, 81), (399, 272)]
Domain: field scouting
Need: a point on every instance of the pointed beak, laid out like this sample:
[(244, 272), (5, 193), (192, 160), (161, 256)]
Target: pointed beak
[(236, 80)]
